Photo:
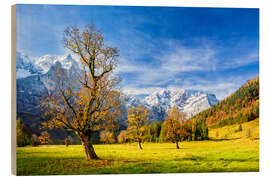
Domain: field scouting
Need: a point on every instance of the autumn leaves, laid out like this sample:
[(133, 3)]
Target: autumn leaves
[(175, 125)]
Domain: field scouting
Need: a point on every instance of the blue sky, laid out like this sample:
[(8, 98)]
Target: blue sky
[(211, 49)]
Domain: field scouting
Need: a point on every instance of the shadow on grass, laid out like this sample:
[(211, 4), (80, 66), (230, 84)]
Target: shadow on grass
[(223, 139), (175, 148), (255, 138), (205, 159)]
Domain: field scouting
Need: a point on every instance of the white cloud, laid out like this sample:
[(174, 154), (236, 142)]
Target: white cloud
[(250, 58), (126, 66), (220, 89), (139, 91), (182, 59), (221, 86), (169, 64), (176, 59)]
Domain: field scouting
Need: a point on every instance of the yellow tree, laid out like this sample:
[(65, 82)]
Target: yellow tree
[(123, 136), (138, 119), (107, 137), (34, 140), (22, 136), (175, 126), (84, 108), (44, 137)]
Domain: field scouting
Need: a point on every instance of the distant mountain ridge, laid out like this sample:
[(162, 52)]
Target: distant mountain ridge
[(37, 76), (26, 66), (45, 62), (190, 102)]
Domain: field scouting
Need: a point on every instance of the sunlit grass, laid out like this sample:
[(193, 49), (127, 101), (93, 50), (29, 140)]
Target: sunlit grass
[(200, 156), (230, 132), (231, 151)]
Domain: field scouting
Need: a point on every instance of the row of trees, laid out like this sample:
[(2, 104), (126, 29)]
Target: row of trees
[(23, 138), (175, 128)]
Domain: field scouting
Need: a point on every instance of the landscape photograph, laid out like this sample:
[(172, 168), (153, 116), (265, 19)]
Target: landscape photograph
[(136, 89)]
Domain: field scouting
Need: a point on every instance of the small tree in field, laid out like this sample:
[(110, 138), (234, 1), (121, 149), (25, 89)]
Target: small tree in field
[(240, 128), (217, 133), (22, 136), (107, 137), (84, 109), (44, 137), (137, 123), (176, 126), (68, 141), (123, 136), (248, 133), (34, 140)]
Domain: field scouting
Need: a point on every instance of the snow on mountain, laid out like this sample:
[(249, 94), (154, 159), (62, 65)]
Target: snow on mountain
[(25, 66), (130, 101), (22, 73), (160, 102), (34, 77), (37, 76), (45, 62), (199, 102), (190, 102)]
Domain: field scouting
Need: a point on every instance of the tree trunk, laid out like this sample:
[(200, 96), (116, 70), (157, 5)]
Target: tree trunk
[(139, 144), (177, 146), (88, 148), (90, 152)]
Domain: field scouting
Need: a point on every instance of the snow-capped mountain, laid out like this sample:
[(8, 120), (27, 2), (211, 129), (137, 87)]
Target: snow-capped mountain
[(26, 66), (40, 76), (45, 62), (190, 102), (160, 102), (130, 101), (37, 76)]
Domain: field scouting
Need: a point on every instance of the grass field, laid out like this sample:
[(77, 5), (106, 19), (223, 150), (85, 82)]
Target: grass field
[(234, 154), (230, 132)]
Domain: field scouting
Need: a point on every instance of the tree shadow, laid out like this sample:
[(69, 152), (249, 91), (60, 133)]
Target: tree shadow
[(205, 159), (223, 139), (176, 148)]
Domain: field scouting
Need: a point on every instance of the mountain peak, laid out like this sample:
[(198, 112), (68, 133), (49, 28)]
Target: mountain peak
[(27, 67), (46, 61), (159, 102), (189, 101)]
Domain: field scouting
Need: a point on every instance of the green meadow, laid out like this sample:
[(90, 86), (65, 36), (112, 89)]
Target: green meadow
[(236, 153)]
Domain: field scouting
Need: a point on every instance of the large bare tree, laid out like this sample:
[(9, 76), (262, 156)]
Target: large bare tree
[(91, 104)]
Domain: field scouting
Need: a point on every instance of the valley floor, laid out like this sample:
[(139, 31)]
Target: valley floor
[(200, 156)]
